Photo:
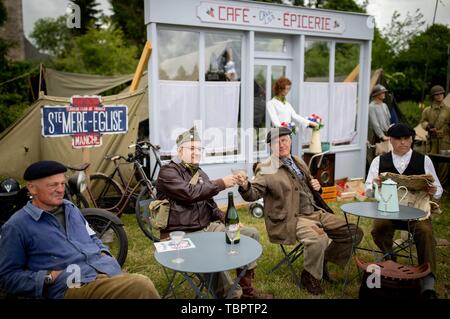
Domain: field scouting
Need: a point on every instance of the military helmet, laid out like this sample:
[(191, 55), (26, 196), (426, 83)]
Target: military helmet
[(437, 89), (378, 89)]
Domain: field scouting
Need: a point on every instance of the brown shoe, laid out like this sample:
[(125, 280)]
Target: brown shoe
[(310, 283)]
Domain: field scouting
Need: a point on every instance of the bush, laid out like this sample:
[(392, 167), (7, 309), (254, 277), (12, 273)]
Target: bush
[(412, 112)]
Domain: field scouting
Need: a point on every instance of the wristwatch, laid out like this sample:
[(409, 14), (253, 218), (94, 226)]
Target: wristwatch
[(48, 279)]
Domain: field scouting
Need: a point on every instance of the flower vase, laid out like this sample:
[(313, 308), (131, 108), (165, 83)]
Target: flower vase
[(315, 146)]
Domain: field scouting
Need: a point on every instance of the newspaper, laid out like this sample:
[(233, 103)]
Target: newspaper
[(169, 245)]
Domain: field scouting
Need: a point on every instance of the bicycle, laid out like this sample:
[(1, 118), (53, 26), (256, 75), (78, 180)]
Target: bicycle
[(115, 197)]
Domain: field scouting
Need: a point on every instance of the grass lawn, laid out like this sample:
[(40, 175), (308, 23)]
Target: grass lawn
[(140, 260)]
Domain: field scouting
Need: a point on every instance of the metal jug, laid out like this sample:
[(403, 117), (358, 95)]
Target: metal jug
[(387, 197)]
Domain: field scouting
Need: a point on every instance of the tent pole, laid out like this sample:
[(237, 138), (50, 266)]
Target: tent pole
[(146, 52)]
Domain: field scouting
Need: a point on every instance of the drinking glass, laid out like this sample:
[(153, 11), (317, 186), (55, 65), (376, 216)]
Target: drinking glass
[(231, 231), (177, 238)]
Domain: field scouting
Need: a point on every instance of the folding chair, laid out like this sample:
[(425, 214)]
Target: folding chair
[(290, 257)]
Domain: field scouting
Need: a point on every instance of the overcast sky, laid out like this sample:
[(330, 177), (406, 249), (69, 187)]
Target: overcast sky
[(381, 9)]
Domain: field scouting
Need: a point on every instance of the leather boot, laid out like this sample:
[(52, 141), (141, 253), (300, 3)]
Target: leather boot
[(248, 291), (310, 283)]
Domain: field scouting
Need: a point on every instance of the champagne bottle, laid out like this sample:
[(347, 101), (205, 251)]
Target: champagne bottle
[(232, 219)]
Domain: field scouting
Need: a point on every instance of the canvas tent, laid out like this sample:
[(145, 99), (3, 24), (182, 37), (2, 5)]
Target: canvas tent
[(22, 143)]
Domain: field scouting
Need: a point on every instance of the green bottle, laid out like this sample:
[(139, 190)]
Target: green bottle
[(232, 219)]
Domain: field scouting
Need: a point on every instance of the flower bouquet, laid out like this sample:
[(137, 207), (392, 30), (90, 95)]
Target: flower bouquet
[(316, 146), (290, 126), (316, 119)]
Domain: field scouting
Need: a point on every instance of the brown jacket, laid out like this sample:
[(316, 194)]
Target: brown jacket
[(191, 206), (280, 189)]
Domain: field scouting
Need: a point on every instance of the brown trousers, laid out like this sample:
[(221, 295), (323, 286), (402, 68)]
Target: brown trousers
[(315, 231), (383, 234), (124, 286)]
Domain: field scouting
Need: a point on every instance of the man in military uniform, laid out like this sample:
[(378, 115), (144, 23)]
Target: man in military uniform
[(435, 119)]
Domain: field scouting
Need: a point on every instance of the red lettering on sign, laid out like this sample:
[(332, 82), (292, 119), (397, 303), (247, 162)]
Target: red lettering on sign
[(245, 15), (221, 9), (310, 22), (327, 24), (317, 23)]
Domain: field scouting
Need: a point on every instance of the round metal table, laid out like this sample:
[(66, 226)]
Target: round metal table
[(209, 256), (370, 210)]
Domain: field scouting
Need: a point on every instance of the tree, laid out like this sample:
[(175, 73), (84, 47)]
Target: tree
[(99, 51), (400, 32), (88, 13), (129, 16), (51, 35), (424, 62)]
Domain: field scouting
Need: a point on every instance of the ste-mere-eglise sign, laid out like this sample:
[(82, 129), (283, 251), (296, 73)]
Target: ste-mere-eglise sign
[(85, 119)]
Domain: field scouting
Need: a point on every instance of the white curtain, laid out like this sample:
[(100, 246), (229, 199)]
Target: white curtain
[(339, 118), (315, 101), (343, 112), (221, 116), (179, 108)]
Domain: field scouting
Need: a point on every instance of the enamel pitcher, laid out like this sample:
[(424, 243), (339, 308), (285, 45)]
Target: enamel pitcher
[(387, 197)]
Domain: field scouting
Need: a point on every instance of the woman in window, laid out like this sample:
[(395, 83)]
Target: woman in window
[(279, 109)]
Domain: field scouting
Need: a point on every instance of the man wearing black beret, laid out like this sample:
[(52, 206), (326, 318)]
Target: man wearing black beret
[(49, 251), (295, 212), (405, 161)]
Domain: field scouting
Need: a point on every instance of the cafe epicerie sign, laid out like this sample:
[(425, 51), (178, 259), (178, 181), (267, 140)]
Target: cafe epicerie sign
[(283, 18), (85, 120)]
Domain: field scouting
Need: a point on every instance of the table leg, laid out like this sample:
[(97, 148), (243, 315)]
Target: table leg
[(236, 281)]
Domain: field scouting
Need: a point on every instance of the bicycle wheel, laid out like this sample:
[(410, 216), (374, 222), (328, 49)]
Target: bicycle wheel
[(107, 192), (109, 229), (143, 214)]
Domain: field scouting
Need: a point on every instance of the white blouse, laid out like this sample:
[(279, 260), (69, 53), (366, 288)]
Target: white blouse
[(284, 112)]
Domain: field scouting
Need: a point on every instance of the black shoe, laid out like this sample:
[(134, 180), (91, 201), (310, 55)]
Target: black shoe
[(310, 283), (429, 294), (326, 275)]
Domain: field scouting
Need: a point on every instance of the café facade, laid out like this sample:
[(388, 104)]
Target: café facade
[(214, 63)]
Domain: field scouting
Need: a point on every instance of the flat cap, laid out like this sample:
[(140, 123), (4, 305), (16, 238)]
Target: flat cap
[(378, 89), (277, 132), (400, 130), (43, 169), (188, 136)]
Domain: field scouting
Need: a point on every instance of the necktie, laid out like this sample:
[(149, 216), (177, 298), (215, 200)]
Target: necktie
[(290, 163)]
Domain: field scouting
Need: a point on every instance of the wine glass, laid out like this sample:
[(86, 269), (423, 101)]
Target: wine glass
[(231, 231), (177, 238)]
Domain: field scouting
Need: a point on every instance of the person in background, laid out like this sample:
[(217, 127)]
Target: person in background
[(435, 120), (280, 110), (49, 251), (404, 160)]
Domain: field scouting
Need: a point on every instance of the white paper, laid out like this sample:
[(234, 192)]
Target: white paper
[(169, 245)]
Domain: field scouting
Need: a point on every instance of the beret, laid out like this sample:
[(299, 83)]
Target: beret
[(43, 169), (188, 136), (277, 132), (400, 130)]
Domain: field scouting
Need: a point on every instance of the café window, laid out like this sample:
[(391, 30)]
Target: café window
[(222, 57), (178, 55)]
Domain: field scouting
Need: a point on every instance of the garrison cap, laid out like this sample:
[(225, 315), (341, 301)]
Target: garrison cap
[(188, 136), (43, 169)]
